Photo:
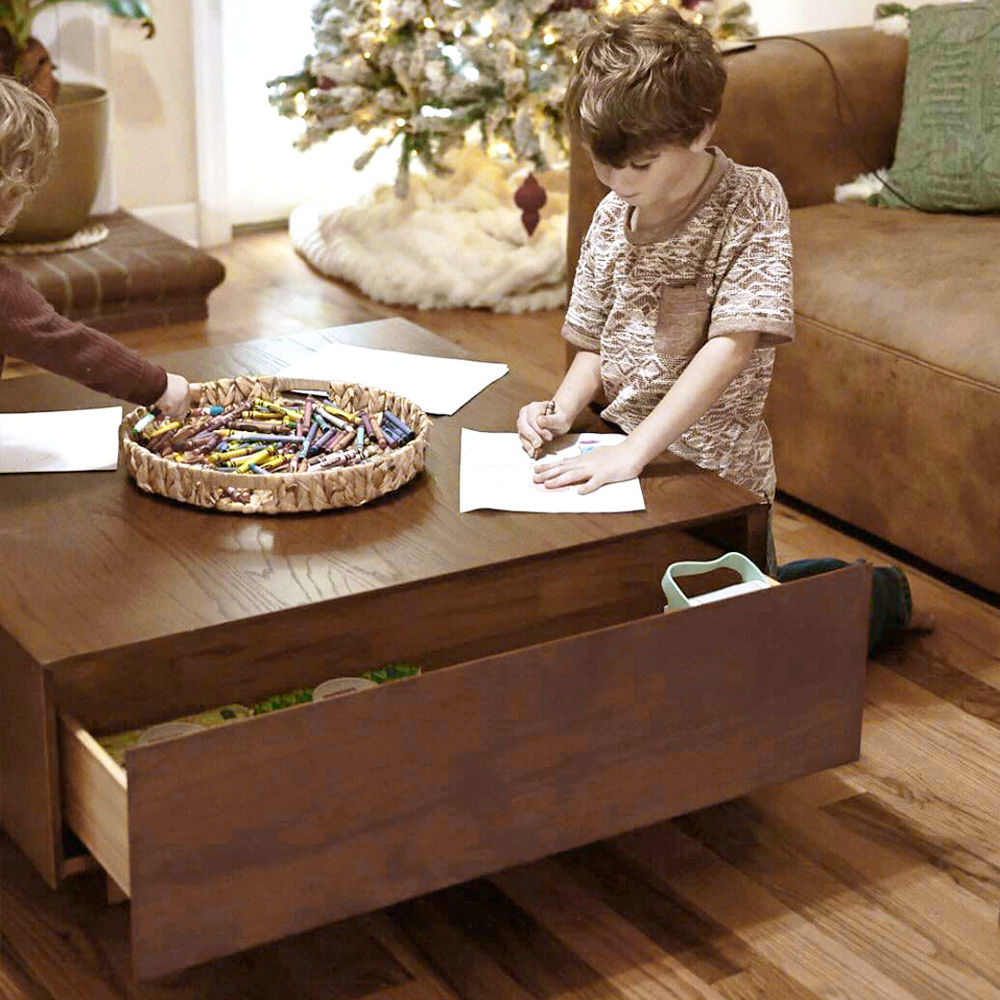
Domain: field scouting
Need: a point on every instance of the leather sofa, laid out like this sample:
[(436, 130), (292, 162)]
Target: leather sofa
[(885, 411)]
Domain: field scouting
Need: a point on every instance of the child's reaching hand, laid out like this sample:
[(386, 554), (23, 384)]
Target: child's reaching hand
[(540, 422), (176, 398)]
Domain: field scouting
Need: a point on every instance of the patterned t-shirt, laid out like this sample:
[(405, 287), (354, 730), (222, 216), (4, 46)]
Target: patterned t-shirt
[(647, 300)]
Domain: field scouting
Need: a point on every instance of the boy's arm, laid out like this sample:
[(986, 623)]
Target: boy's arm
[(30, 329), (580, 384), (544, 420), (704, 380), (699, 386)]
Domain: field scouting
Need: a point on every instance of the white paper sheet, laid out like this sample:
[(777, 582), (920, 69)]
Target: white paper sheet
[(496, 473), (60, 440), (436, 385)]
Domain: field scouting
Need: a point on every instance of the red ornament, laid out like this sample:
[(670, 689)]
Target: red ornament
[(530, 197)]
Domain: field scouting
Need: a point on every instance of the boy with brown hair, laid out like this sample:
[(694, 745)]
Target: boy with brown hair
[(30, 328), (684, 284)]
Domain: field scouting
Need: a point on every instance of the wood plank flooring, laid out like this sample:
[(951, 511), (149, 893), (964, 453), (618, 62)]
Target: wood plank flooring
[(876, 881)]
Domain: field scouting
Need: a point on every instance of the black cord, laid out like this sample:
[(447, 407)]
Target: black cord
[(839, 92)]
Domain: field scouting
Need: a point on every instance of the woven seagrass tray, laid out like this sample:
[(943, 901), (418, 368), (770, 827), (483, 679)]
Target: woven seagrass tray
[(282, 492)]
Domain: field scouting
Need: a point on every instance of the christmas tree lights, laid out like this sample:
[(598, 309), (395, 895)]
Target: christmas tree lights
[(422, 73)]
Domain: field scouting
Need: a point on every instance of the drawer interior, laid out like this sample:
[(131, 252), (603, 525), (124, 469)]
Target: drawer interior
[(265, 827)]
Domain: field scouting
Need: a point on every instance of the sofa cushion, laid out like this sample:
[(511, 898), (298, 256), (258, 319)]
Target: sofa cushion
[(925, 285), (948, 148)]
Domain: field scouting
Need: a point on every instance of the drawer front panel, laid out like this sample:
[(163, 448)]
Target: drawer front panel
[(264, 828)]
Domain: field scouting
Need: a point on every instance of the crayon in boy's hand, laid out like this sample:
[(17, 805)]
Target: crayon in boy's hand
[(550, 409)]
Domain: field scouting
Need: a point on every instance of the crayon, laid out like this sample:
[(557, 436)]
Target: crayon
[(393, 419), (143, 422), (379, 436), (252, 460), (308, 441), (163, 429), (343, 414), (259, 436)]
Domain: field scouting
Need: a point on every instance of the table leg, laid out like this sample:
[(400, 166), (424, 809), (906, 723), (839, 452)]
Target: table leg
[(29, 781)]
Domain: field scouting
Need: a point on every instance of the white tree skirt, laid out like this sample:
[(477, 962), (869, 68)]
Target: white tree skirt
[(455, 241)]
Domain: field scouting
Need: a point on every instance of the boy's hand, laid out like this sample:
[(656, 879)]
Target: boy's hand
[(176, 398), (539, 422), (610, 464)]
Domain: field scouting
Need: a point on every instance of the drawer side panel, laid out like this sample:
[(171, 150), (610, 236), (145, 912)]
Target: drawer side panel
[(264, 828), (94, 799)]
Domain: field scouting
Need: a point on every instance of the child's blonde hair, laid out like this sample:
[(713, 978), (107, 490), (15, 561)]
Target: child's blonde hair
[(29, 134), (644, 79)]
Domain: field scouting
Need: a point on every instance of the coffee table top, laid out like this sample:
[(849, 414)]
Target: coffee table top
[(90, 563)]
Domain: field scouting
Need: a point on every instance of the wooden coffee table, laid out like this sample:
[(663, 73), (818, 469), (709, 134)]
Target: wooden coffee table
[(571, 708)]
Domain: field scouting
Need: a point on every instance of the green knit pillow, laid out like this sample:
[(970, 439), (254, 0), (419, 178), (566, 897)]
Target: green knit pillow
[(948, 147)]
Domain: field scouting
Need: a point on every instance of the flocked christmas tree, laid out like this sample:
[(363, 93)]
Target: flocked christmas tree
[(427, 74)]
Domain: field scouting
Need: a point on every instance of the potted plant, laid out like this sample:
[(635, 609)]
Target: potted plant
[(61, 206)]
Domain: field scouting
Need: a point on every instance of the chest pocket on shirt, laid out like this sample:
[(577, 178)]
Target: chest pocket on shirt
[(682, 322)]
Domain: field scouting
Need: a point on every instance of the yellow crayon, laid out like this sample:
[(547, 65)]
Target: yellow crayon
[(247, 454), (224, 456), (343, 414), (172, 426), (252, 460), (267, 404)]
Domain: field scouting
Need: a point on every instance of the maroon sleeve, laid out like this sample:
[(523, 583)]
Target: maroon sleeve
[(30, 329)]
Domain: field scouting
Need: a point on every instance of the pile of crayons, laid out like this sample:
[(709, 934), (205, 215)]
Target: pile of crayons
[(302, 431)]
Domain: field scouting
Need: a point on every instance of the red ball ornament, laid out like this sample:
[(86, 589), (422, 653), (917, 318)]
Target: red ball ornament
[(530, 197)]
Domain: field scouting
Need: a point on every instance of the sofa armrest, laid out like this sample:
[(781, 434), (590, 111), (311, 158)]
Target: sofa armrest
[(780, 112)]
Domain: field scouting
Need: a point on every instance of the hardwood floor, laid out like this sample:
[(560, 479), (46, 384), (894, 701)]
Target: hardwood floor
[(876, 880)]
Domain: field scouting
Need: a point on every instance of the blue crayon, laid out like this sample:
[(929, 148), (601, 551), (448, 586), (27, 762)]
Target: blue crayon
[(307, 443), (396, 422), (393, 434)]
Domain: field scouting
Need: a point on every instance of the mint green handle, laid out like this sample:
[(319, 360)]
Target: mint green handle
[(731, 560)]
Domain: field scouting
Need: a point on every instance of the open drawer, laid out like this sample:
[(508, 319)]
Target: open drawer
[(269, 826)]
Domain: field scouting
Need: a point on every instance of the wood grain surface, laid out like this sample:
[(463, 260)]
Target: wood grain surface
[(78, 550), (875, 880)]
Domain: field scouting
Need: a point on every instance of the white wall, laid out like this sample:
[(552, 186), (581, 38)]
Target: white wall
[(781, 17), (266, 176), (152, 84), (79, 42)]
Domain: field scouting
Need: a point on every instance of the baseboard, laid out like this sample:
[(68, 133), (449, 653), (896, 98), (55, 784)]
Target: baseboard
[(179, 221)]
